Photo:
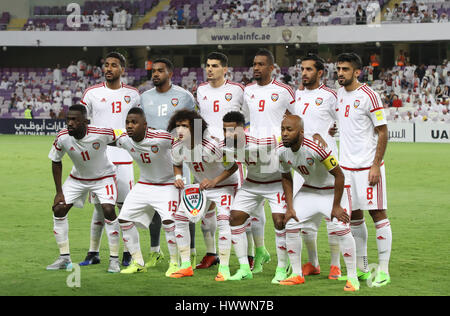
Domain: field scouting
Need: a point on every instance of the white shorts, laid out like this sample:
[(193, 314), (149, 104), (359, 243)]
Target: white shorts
[(312, 205), (102, 191), (364, 196), (251, 195), (125, 180), (144, 199)]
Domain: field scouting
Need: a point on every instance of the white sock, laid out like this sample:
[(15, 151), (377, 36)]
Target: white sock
[(310, 239), (130, 236), (384, 243), (112, 230), (209, 226), (348, 249), (280, 241), (294, 250), (97, 224), (335, 251), (224, 239), (250, 242), (183, 239), (257, 226), (239, 240), (119, 206), (359, 232), (61, 232), (171, 241)]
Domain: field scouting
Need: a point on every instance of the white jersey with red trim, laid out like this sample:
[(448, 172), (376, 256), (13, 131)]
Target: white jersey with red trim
[(265, 106), (359, 112), (88, 154), (310, 161), (205, 161), (214, 103), (109, 108), (258, 154), (317, 108), (152, 154)]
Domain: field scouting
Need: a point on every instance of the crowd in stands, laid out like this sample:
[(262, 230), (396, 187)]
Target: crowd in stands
[(422, 12), (409, 92)]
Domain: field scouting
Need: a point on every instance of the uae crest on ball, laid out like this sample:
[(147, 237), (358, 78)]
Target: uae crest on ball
[(193, 202)]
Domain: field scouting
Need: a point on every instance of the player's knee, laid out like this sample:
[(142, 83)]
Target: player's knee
[(357, 214), (109, 212), (60, 210), (238, 218), (168, 222), (378, 215)]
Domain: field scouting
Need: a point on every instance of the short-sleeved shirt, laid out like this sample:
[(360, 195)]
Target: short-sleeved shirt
[(311, 161), (159, 107), (109, 108), (88, 154), (359, 112), (257, 154), (265, 106), (206, 163), (152, 154), (214, 103), (317, 108)]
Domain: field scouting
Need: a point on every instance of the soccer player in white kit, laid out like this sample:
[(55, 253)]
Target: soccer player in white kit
[(263, 182), (154, 192), (316, 105), (201, 153), (215, 98), (265, 103), (108, 104), (92, 172), (363, 139), (323, 193)]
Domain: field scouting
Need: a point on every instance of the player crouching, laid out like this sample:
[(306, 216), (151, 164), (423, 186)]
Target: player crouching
[(91, 172)]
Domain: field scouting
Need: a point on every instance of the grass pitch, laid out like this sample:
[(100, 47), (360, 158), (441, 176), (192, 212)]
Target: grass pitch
[(418, 201)]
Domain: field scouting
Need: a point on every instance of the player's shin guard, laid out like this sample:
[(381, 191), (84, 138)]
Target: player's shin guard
[(310, 238), (384, 243), (171, 241), (257, 227), (183, 239), (224, 239), (359, 232), (280, 241), (97, 224), (239, 240), (61, 232), (209, 226), (348, 249), (130, 237), (112, 230), (294, 249), (333, 242)]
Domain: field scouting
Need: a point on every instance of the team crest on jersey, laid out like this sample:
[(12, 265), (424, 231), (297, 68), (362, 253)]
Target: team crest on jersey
[(228, 97), (127, 99), (174, 101), (319, 101), (96, 145), (275, 97), (310, 161), (356, 104), (155, 149)]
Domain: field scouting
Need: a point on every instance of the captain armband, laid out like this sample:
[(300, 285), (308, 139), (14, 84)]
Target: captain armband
[(330, 162)]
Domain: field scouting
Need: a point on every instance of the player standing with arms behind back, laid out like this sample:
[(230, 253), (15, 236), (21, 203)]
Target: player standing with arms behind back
[(159, 104), (265, 103), (216, 98), (107, 105), (363, 141)]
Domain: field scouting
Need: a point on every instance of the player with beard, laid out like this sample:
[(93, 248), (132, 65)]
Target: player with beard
[(362, 143), (321, 195), (159, 104), (92, 172), (107, 105), (316, 105)]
